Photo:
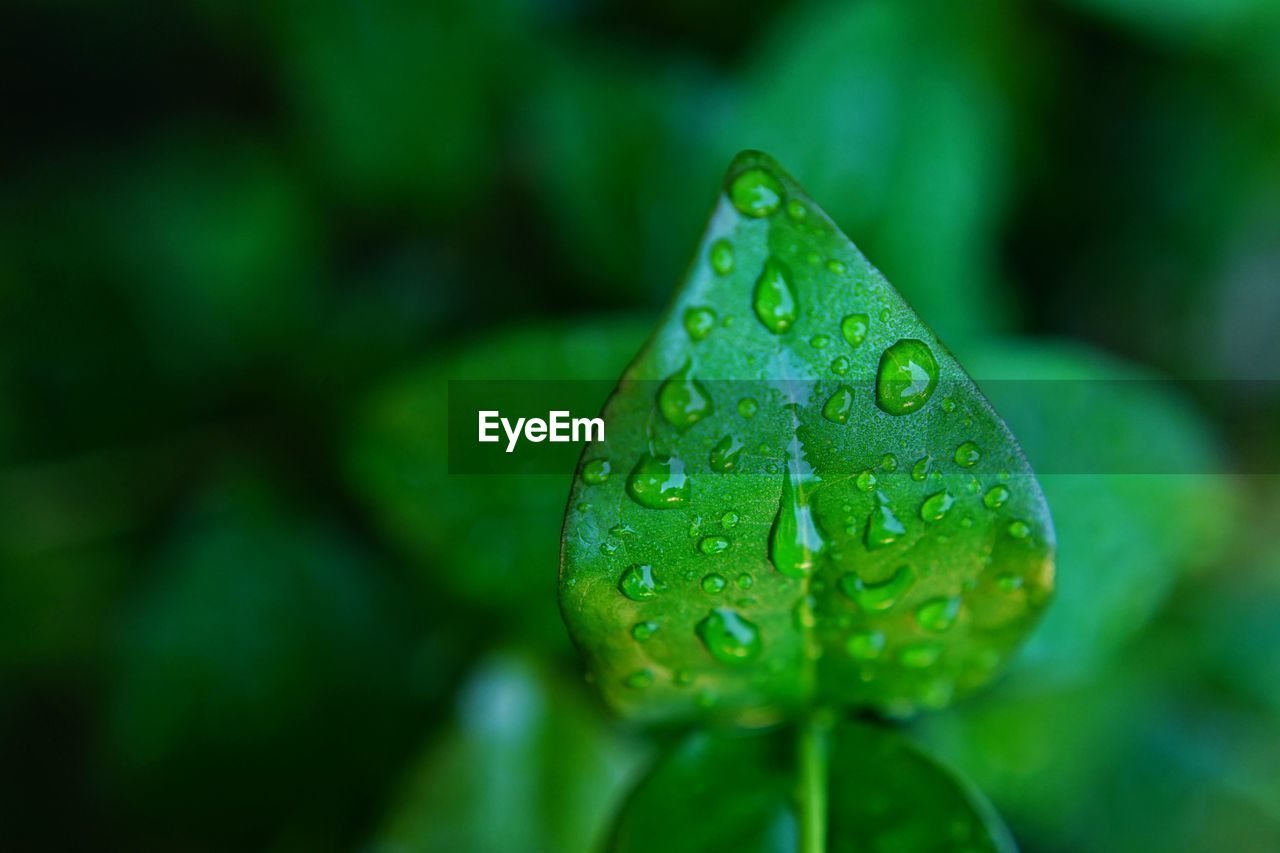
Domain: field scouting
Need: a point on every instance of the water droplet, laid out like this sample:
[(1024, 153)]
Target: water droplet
[(885, 315), (713, 545), (714, 584), (725, 454), (883, 527), (889, 462), (659, 482), (684, 401), (796, 210), (745, 581), (756, 193), (996, 497), (722, 256), (621, 529), (819, 341), (1009, 582), (840, 406), (865, 645), (774, 300), (683, 678), (639, 679), (640, 583), (968, 454), (841, 365), (804, 613), (906, 378), (608, 548), (921, 469), (794, 540), (699, 322), (854, 327), (1019, 529), (747, 407), (836, 267), (936, 506), (729, 636), (877, 596), (596, 472), (866, 481), (938, 614), (948, 405), (920, 655), (642, 631), (583, 507)]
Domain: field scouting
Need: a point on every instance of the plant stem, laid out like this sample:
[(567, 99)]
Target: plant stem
[(812, 747)]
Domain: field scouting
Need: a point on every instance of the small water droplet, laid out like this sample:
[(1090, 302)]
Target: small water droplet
[(747, 407), (836, 267), (921, 469), (794, 540), (608, 548), (642, 631), (841, 365), (920, 655), (854, 327), (729, 520), (839, 406), (1019, 529), (713, 545), (1009, 582), (659, 482), (968, 454), (683, 678), (819, 341), (639, 679), (938, 614), (745, 581), (866, 480), (729, 636), (621, 529), (640, 583), (889, 462), (699, 322), (583, 507), (596, 472), (714, 584), (774, 299), (936, 506), (883, 527), (878, 596), (865, 645), (948, 405), (885, 315), (756, 193), (796, 210), (725, 454), (996, 497), (683, 400), (722, 256), (907, 377)]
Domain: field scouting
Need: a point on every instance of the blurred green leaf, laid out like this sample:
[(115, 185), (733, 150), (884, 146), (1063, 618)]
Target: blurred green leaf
[(830, 543), (739, 792), (263, 670), (1124, 538), (489, 538), (529, 765), (894, 114)]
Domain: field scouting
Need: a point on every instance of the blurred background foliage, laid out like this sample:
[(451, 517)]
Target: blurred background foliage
[(242, 246)]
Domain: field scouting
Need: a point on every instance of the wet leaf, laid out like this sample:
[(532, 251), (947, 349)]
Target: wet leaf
[(818, 512), (752, 793)]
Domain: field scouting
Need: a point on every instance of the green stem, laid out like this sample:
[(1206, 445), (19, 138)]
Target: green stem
[(813, 784)]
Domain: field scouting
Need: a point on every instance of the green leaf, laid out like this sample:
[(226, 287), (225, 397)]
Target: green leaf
[(813, 502), (529, 765), (764, 792)]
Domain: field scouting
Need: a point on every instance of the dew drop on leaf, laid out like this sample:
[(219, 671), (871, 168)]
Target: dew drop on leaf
[(854, 327), (1019, 529), (938, 614), (794, 540), (919, 655), (936, 506), (996, 497), (699, 322), (596, 471), (725, 454), (968, 454), (722, 256), (878, 596), (714, 584), (713, 544), (756, 193), (683, 400), (883, 527), (640, 583), (865, 645), (907, 377), (642, 631), (659, 482), (839, 406), (729, 636), (774, 299)]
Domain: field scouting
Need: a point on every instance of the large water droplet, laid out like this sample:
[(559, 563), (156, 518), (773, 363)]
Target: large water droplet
[(729, 636), (906, 378), (699, 322), (756, 193), (683, 400), (854, 328), (774, 299), (840, 406), (794, 541), (936, 506), (596, 472), (722, 256), (878, 596), (968, 454), (659, 482), (640, 583), (883, 527), (938, 614), (725, 454)]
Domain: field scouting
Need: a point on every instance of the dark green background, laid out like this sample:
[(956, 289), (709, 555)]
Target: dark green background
[(243, 247)]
